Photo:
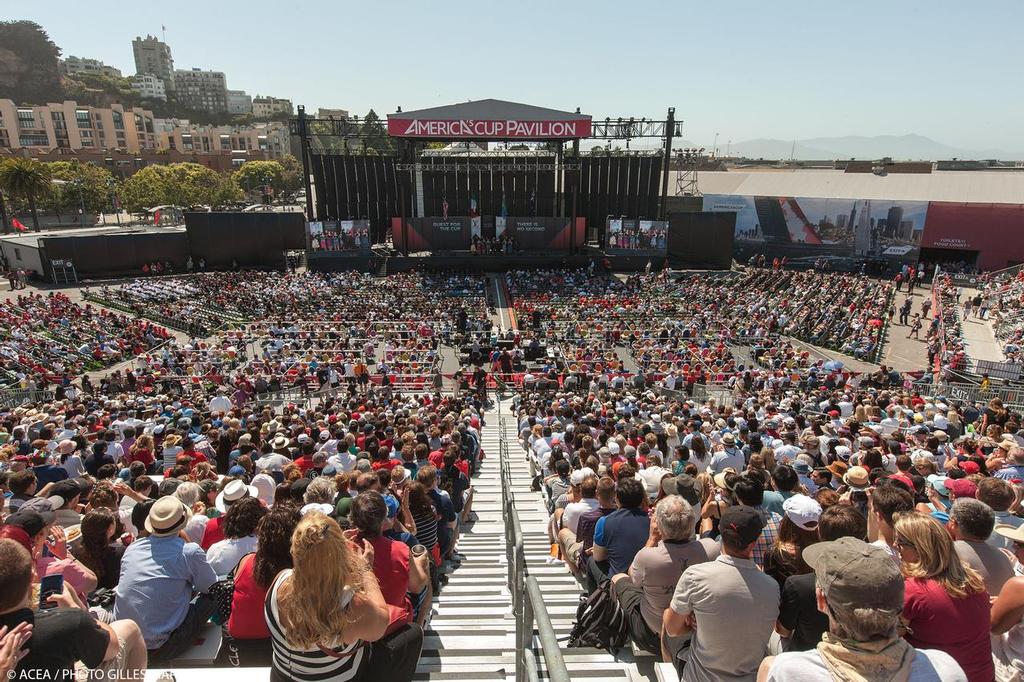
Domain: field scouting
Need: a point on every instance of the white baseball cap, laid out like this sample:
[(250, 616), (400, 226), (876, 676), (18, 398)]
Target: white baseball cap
[(803, 511)]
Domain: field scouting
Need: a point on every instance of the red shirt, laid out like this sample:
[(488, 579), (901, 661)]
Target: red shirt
[(247, 621), (384, 464), (213, 533), (304, 463), (391, 566), (143, 455), (960, 627)]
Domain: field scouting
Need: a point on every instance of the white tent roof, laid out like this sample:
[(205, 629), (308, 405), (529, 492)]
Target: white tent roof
[(986, 187)]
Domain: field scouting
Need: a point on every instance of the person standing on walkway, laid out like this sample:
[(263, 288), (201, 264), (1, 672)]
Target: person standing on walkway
[(905, 311), (926, 306), (915, 327)]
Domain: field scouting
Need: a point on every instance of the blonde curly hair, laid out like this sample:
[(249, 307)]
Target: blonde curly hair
[(323, 566)]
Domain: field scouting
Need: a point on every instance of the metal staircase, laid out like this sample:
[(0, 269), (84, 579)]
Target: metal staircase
[(559, 589)]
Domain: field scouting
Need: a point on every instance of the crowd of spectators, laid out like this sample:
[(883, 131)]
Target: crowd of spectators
[(810, 522), (49, 338), (159, 514), (688, 328), (832, 533)]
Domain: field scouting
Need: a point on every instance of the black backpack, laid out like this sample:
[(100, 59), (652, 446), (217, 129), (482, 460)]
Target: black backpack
[(600, 622)]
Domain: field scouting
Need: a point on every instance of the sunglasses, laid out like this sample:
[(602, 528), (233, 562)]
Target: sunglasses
[(900, 543)]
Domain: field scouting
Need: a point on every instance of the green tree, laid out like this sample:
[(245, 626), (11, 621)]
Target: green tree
[(79, 185), (146, 188), (192, 184), (291, 178), (225, 191), (28, 64), (255, 174), (178, 184), (375, 134), (28, 179)]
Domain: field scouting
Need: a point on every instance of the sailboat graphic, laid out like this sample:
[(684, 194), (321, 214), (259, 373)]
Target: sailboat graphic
[(801, 231)]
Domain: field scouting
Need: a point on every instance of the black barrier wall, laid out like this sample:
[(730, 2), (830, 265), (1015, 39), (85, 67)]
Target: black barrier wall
[(701, 240), (256, 239), (114, 254)]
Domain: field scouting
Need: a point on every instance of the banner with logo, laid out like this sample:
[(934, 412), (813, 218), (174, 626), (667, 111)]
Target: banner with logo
[(481, 129)]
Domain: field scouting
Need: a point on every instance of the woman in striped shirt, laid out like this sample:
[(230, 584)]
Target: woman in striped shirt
[(425, 516), (327, 616)]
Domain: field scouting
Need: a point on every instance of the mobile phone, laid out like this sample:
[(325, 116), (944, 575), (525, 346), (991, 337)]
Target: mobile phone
[(50, 585)]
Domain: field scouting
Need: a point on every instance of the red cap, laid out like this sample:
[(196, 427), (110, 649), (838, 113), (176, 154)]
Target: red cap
[(970, 467), (903, 478), (961, 487)]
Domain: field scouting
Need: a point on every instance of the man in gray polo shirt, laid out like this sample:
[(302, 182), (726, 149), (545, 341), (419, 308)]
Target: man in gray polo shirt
[(728, 605), (645, 592)]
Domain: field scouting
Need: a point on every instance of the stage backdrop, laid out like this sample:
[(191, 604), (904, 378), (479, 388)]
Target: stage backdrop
[(853, 227), (698, 240), (253, 239), (455, 233)]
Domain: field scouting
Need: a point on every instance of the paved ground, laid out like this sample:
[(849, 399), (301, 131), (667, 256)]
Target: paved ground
[(979, 336), (903, 352)]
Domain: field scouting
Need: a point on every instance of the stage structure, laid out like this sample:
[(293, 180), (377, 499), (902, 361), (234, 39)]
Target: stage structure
[(441, 178)]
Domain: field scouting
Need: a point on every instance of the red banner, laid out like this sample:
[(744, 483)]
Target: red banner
[(495, 130)]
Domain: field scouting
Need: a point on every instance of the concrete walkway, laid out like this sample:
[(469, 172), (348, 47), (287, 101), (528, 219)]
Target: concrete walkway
[(978, 334), (903, 353)]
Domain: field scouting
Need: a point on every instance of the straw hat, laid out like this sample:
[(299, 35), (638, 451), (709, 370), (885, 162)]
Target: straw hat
[(167, 516)]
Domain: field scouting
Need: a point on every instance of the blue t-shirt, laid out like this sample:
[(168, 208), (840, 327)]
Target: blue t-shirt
[(622, 533)]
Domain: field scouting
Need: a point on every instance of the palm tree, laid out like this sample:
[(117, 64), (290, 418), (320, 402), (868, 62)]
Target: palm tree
[(25, 178)]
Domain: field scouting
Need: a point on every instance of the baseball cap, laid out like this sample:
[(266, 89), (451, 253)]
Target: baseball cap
[(961, 487), (803, 511), (32, 521), (576, 477), (970, 467), (392, 505), (741, 525), (684, 485), (853, 573)]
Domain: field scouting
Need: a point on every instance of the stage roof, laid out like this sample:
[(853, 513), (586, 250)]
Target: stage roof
[(985, 187), (491, 119)]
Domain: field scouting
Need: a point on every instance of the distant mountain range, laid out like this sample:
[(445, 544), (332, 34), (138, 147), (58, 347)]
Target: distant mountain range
[(898, 147)]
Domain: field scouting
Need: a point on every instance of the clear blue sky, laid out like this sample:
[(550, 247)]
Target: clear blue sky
[(787, 69)]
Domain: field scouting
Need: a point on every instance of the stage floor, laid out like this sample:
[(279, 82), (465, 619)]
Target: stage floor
[(621, 260)]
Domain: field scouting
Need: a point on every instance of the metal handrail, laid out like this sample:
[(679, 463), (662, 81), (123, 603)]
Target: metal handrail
[(18, 396), (527, 600)]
